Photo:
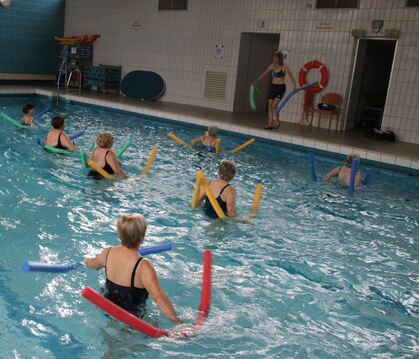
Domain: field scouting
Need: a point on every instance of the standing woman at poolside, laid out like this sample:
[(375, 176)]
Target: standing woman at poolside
[(277, 89), (104, 157)]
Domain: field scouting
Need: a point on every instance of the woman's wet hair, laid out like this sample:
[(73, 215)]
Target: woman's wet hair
[(351, 157), (212, 130), (131, 229), (57, 122), (104, 139), (28, 107), (280, 56), (227, 170)]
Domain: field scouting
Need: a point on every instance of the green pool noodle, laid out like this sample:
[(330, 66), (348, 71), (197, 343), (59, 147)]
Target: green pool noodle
[(64, 152), (124, 148), (84, 158), (8, 118), (252, 97)]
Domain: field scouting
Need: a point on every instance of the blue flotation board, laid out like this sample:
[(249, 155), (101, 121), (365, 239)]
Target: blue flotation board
[(143, 85)]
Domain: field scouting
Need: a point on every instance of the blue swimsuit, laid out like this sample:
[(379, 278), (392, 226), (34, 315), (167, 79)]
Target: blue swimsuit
[(209, 148)]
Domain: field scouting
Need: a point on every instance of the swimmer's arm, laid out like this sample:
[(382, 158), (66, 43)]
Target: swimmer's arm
[(114, 163), (152, 285), (262, 75), (332, 173), (358, 178), (97, 262), (67, 143), (288, 71), (231, 202), (196, 140), (201, 194)]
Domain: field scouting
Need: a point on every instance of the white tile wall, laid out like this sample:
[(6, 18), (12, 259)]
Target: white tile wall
[(180, 45)]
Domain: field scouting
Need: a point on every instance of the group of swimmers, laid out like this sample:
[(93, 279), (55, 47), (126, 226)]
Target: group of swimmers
[(130, 278)]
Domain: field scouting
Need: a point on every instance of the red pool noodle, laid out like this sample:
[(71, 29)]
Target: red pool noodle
[(142, 326)]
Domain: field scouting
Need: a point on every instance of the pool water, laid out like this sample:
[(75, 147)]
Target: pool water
[(318, 273)]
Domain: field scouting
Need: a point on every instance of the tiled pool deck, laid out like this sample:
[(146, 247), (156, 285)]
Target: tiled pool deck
[(395, 155)]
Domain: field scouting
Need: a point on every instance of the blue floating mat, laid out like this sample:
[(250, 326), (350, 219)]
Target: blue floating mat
[(144, 85)]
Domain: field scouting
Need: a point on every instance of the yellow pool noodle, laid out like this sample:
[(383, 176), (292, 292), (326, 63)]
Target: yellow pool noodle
[(218, 145), (197, 189), (201, 180), (177, 139), (211, 198), (150, 161), (100, 170), (256, 200), (243, 145)]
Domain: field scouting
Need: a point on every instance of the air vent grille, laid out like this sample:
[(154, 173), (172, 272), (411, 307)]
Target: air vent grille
[(215, 85)]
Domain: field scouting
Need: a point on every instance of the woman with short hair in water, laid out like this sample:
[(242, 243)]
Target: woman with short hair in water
[(224, 193), (57, 138), (130, 278), (277, 89), (104, 157), (343, 173), (208, 141), (27, 119)]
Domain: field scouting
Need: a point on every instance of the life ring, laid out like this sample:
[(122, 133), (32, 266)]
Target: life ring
[(314, 65)]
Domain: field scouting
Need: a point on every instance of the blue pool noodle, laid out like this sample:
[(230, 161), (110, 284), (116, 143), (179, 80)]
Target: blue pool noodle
[(78, 134), (44, 111), (311, 166), (285, 100), (366, 179), (62, 268), (38, 141), (354, 170)]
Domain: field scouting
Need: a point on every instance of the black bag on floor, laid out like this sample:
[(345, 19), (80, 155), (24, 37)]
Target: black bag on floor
[(326, 106)]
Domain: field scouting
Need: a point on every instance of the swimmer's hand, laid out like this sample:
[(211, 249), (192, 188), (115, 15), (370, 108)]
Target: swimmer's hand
[(184, 331), (88, 262)]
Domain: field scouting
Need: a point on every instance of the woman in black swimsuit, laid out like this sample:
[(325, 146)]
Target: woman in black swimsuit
[(224, 193), (130, 278), (57, 138), (104, 157), (277, 89)]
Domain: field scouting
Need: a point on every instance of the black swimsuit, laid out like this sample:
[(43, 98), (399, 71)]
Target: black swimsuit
[(209, 210), (106, 168), (132, 299), (59, 145)]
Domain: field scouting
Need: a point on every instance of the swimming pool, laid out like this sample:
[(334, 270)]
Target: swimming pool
[(318, 273)]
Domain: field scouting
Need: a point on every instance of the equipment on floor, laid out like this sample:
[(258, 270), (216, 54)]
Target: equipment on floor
[(143, 85)]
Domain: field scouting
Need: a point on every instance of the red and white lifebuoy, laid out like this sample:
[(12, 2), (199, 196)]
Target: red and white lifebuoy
[(314, 65)]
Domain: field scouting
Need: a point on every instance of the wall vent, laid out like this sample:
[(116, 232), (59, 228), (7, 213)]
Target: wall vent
[(215, 85)]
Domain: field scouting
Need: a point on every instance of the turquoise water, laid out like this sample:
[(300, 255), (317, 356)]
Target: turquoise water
[(318, 273)]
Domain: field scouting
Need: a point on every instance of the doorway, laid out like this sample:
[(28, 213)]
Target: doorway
[(255, 54), (373, 64)]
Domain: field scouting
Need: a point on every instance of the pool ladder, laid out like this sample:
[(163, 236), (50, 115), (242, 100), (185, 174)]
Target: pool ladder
[(64, 67)]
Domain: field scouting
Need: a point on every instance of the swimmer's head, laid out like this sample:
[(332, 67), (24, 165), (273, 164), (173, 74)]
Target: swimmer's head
[(28, 107), (212, 131), (104, 139), (131, 229), (227, 170), (351, 157), (57, 122), (279, 57)]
